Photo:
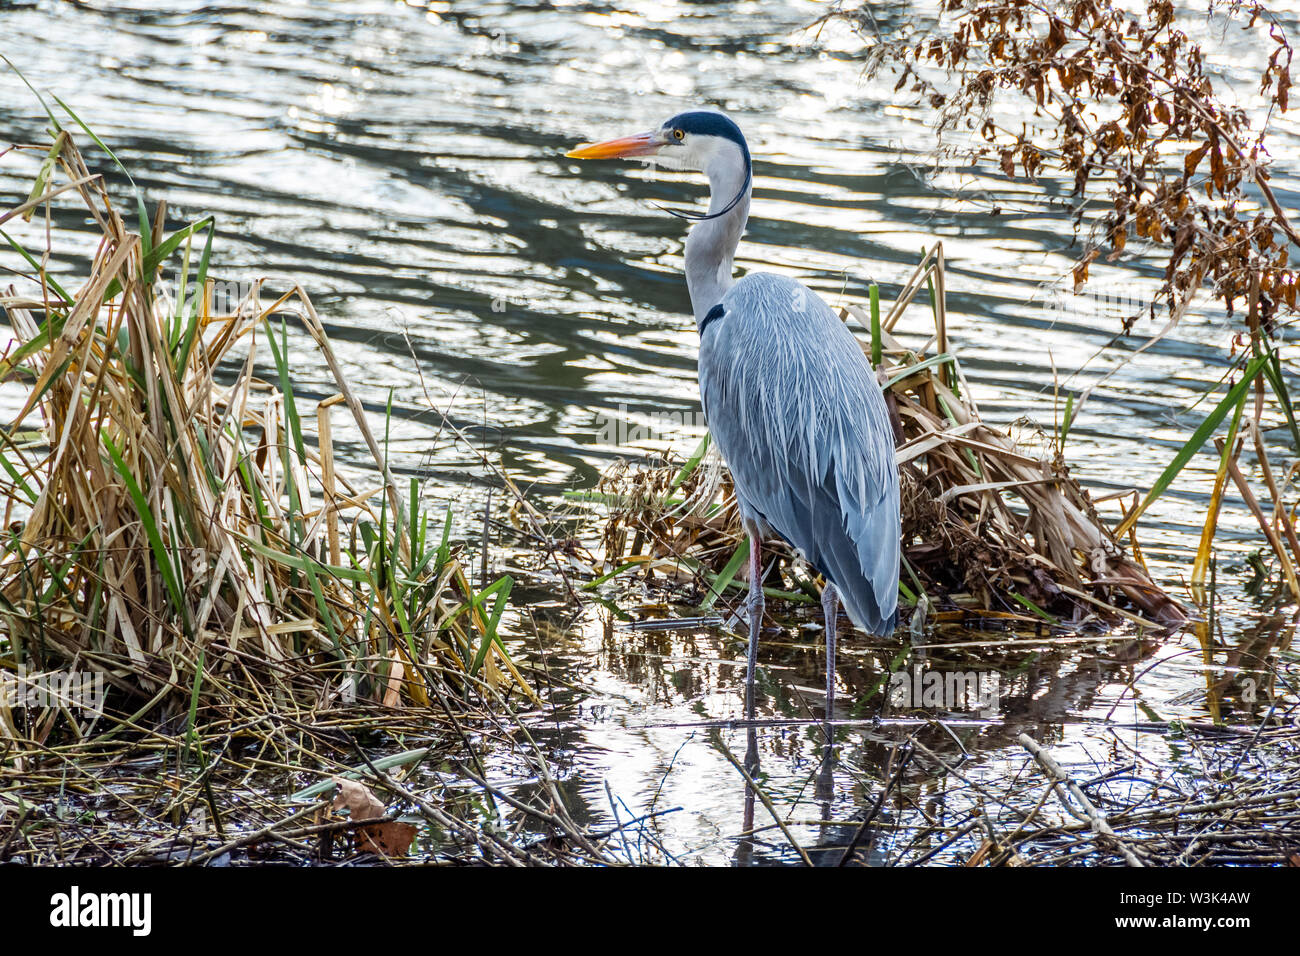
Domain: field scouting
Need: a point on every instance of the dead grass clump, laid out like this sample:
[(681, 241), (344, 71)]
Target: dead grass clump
[(991, 527), (171, 520)]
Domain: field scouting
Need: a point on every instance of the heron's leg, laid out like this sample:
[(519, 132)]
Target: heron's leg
[(830, 610), (755, 605)]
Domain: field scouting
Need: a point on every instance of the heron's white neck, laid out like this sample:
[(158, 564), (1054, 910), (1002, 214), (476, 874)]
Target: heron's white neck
[(711, 245)]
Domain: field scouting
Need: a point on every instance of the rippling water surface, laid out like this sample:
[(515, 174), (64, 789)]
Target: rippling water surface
[(403, 161)]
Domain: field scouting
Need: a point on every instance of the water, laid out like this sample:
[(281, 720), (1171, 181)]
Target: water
[(403, 161)]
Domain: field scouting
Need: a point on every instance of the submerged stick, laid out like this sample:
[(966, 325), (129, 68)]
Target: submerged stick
[(1095, 817)]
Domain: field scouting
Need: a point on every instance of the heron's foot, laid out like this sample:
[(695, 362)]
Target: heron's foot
[(824, 787)]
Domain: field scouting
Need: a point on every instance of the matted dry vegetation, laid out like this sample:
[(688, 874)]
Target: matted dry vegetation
[(177, 530)]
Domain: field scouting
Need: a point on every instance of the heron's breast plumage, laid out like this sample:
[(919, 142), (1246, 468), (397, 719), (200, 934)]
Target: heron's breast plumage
[(797, 413)]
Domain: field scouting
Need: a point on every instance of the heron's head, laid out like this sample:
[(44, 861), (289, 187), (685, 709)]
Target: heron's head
[(699, 140)]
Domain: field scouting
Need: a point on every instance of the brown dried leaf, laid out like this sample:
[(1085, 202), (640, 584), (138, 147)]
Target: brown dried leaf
[(391, 838), (1118, 239), (1218, 170), (386, 839), (1081, 271), (357, 799), (1008, 162)]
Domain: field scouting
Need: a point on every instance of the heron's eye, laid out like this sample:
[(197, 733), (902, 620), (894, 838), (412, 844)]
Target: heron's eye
[(679, 135)]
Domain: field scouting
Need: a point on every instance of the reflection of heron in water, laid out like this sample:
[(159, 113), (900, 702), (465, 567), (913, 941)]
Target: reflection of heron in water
[(790, 397)]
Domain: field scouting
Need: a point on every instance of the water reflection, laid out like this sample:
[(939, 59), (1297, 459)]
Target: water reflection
[(669, 723)]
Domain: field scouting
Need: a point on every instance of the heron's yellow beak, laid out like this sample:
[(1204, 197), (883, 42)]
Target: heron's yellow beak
[(642, 144)]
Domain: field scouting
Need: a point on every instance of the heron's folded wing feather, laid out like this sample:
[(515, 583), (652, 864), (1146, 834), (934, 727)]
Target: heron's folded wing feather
[(796, 411)]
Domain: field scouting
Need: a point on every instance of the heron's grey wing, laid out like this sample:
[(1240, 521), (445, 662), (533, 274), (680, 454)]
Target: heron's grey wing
[(797, 413)]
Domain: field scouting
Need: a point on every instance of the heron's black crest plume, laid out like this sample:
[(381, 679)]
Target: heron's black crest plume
[(701, 216)]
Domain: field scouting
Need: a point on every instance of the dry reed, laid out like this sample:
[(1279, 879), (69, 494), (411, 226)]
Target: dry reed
[(169, 523)]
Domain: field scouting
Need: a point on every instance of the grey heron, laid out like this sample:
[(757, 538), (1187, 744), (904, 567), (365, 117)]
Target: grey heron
[(789, 396)]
